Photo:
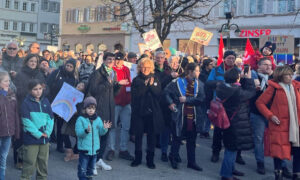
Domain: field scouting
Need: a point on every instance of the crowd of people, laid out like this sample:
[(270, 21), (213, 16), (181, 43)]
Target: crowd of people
[(168, 101)]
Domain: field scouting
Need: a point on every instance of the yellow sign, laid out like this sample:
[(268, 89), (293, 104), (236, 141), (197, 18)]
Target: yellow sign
[(201, 36)]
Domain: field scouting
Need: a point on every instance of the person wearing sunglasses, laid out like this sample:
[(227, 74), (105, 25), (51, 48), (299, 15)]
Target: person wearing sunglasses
[(12, 63)]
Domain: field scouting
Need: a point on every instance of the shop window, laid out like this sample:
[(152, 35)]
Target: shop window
[(78, 48)]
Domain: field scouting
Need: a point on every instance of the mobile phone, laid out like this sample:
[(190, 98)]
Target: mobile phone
[(246, 68)]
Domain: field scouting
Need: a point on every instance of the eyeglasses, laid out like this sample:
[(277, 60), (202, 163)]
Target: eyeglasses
[(10, 48)]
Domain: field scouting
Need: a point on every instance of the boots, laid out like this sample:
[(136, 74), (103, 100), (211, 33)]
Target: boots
[(261, 168), (69, 154), (278, 174), (173, 162), (137, 159), (296, 176), (149, 159)]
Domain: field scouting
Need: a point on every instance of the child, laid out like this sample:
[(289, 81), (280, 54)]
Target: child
[(37, 118), (89, 127), (9, 123)]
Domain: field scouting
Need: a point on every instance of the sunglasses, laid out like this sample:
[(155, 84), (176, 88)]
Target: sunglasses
[(10, 48)]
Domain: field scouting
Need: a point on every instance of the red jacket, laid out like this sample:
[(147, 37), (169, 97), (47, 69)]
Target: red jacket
[(280, 146), (124, 97)]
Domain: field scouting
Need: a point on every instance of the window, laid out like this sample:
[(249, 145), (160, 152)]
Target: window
[(32, 7), (52, 7), (43, 28), (6, 24), (16, 5), (86, 14), (116, 13), (24, 6), (45, 5), (230, 6), (80, 15), (23, 28), (285, 6), (15, 26), (256, 6), (101, 13), (7, 3), (92, 14), (57, 7), (31, 28), (68, 16)]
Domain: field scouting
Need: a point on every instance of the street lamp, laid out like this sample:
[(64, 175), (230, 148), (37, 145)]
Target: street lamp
[(21, 41), (225, 28)]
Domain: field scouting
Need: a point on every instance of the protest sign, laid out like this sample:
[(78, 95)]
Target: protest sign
[(284, 44), (132, 68), (201, 36), (152, 40), (65, 102)]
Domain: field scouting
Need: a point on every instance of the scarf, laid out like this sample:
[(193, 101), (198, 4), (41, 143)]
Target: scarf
[(264, 81), (108, 70), (294, 125), (189, 109), (3, 92)]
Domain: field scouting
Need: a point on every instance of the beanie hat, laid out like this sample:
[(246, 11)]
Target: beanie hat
[(131, 55), (72, 61), (89, 101), (119, 56), (228, 53), (43, 59), (270, 45)]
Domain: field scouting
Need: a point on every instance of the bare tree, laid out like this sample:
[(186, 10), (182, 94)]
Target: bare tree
[(162, 14)]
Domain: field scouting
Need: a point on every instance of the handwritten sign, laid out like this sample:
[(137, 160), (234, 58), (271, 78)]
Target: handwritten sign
[(152, 40), (284, 44), (65, 102), (201, 36)]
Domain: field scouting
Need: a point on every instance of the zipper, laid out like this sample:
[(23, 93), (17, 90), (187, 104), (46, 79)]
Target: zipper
[(43, 126), (92, 137), (6, 119)]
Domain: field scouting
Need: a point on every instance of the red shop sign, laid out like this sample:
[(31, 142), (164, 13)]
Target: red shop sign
[(255, 32)]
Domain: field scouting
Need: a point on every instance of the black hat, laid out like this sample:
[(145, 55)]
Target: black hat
[(270, 45), (43, 59), (228, 53), (89, 101), (131, 55), (119, 56), (72, 61)]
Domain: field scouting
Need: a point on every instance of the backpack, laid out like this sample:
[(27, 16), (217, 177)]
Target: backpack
[(218, 115)]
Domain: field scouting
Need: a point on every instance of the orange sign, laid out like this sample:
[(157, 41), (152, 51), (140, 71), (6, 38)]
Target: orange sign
[(201, 36)]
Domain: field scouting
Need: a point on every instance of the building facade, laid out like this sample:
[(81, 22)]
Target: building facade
[(255, 18), (91, 24)]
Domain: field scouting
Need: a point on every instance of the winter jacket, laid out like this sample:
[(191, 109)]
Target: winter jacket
[(104, 92), (175, 90), (89, 142), (124, 97), (145, 100), (85, 70), (37, 118), (9, 116), (204, 75), (12, 63), (280, 146), (56, 64), (22, 79), (239, 135), (56, 80)]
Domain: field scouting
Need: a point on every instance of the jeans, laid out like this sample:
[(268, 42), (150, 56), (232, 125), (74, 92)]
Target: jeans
[(4, 150), (103, 141), (259, 123), (296, 159), (124, 112), (228, 163), (165, 139), (86, 164), (62, 138)]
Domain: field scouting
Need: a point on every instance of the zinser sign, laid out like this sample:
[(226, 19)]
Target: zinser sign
[(255, 32)]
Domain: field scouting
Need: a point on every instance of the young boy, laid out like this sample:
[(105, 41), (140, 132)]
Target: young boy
[(89, 127)]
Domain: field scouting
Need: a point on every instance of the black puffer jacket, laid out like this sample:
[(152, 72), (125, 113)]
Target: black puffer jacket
[(239, 135), (85, 70)]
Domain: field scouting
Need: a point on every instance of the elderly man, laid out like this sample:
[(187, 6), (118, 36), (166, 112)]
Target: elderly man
[(11, 61), (34, 48)]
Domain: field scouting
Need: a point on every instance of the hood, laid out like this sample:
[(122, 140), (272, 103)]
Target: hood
[(225, 90)]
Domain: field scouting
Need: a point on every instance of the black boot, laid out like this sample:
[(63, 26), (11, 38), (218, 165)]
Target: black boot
[(261, 168), (278, 174), (214, 158), (173, 162), (296, 176), (149, 159), (286, 173), (194, 166), (137, 159), (240, 160)]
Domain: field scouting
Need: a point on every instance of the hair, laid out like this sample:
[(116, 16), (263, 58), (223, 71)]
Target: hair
[(171, 58), (108, 54), (206, 62), (261, 60), (12, 43), (119, 47), (145, 61), (280, 71), (3, 74), (34, 82), (232, 75), (159, 52), (45, 51), (189, 67), (32, 44), (28, 57)]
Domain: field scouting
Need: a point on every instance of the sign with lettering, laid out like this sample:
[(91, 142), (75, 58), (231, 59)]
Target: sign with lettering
[(255, 32), (83, 28), (284, 44), (152, 40), (201, 36)]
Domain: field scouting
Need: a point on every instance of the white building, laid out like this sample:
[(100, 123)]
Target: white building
[(276, 17)]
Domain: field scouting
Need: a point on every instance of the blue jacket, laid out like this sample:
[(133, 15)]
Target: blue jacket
[(89, 143), (37, 118)]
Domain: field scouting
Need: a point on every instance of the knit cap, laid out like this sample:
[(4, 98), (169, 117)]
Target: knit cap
[(228, 53), (89, 101), (72, 61)]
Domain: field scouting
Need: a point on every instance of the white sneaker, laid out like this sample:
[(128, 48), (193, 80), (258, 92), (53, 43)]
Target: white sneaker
[(95, 173), (102, 165)]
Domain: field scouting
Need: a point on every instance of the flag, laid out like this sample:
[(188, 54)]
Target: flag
[(221, 51), (249, 52)]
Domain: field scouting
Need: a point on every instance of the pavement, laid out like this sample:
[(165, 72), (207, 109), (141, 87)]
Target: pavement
[(60, 170)]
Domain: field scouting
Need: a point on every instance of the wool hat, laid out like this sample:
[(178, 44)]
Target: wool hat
[(119, 56), (228, 53), (89, 101), (43, 59), (72, 61), (270, 45), (131, 55)]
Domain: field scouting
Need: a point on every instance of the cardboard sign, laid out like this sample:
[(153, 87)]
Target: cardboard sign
[(152, 40), (142, 47), (284, 44), (201, 36)]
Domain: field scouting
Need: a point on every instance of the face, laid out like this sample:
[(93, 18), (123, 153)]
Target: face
[(210, 66), (90, 110), (174, 63), (12, 50), (265, 67), (238, 64), (229, 60), (88, 59), (287, 78), (69, 67), (35, 48), (196, 72), (160, 59), (4, 84), (132, 60), (267, 51), (297, 66), (146, 69), (37, 91), (80, 87), (119, 63), (47, 55), (32, 63), (44, 65), (110, 61)]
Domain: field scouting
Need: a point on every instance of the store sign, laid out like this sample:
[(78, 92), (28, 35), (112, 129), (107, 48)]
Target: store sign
[(255, 32), (112, 29), (83, 28)]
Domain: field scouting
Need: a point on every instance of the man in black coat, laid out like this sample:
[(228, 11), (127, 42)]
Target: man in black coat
[(11, 61)]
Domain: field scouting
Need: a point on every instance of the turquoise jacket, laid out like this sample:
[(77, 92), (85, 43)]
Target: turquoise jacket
[(89, 143)]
